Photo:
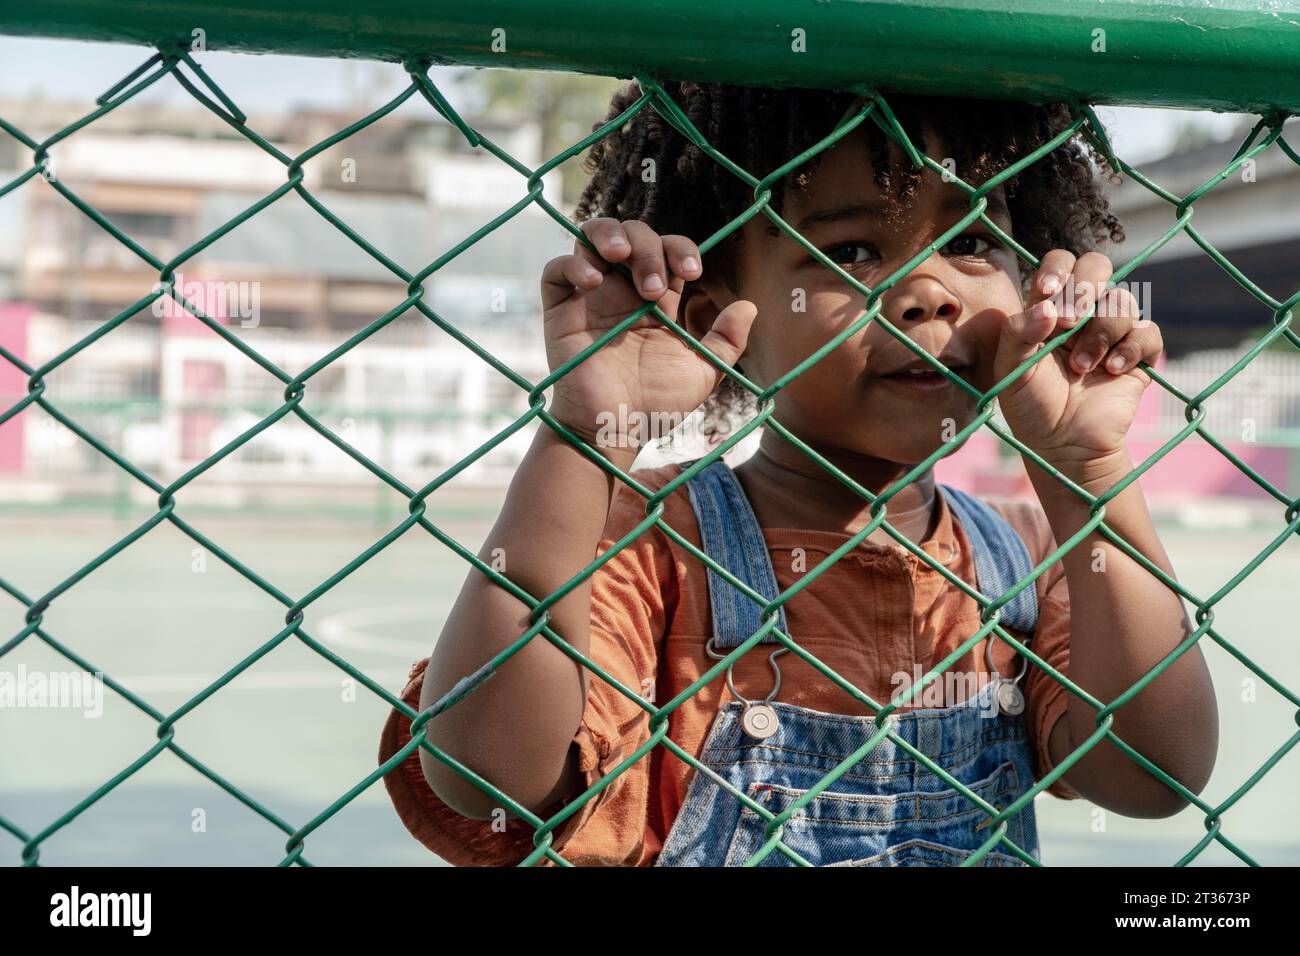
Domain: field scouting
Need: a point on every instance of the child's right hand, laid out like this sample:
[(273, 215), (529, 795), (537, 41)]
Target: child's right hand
[(646, 369)]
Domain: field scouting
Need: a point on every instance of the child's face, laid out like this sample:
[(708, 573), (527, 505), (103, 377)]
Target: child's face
[(955, 301)]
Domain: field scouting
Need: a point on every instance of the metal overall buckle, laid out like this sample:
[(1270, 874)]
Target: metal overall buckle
[(1010, 699), (758, 719)]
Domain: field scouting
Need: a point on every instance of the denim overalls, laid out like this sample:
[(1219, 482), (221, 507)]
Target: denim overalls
[(888, 809)]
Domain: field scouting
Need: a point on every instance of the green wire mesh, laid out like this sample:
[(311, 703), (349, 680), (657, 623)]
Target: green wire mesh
[(871, 106)]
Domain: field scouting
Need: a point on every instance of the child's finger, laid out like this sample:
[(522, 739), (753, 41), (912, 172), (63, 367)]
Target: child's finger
[(1107, 326), (1022, 336), (647, 260), (610, 239), (730, 333), (1142, 344), (1085, 286), (1053, 269), (1114, 314), (1120, 306), (683, 258), (563, 274)]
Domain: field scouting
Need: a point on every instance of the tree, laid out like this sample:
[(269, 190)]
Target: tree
[(567, 105)]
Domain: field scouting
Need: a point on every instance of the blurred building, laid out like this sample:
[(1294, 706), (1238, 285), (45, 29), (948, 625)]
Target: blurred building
[(167, 391), (1211, 316), (1251, 217)]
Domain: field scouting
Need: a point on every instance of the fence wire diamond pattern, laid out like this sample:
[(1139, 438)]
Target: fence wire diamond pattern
[(183, 68)]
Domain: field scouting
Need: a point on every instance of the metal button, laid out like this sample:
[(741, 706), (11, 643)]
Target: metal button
[(759, 721), (1010, 700)]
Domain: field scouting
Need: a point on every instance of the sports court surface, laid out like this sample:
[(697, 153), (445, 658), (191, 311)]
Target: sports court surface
[(289, 735)]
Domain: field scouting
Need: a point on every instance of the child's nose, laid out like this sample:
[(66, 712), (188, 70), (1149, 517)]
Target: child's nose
[(919, 313), (921, 299)]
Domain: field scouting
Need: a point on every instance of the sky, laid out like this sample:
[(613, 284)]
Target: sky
[(62, 69)]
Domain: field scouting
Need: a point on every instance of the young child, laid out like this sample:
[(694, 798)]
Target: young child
[(544, 729)]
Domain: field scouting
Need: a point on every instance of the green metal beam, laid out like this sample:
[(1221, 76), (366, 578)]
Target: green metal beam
[(1233, 55)]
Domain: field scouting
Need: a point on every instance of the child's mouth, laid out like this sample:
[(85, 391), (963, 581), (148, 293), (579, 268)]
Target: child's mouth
[(927, 381)]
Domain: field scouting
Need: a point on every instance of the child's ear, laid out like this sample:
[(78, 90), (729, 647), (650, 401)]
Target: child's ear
[(699, 309), (702, 302)]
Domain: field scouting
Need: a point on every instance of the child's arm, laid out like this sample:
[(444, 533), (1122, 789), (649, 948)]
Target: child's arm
[(548, 530), (515, 729), (1123, 620)]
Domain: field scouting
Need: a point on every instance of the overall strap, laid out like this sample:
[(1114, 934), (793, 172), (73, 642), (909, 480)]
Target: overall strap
[(730, 534), (1001, 557)]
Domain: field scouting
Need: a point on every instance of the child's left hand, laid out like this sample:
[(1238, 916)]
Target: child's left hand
[(1070, 411)]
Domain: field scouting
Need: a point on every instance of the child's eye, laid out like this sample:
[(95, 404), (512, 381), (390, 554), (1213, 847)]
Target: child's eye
[(974, 237), (848, 254)]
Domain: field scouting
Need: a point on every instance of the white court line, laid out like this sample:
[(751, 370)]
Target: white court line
[(340, 632), (345, 630)]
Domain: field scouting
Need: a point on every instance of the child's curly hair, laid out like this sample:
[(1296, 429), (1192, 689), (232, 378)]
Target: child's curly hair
[(1056, 202)]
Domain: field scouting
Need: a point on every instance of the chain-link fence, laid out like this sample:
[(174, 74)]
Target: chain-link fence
[(178, 64)]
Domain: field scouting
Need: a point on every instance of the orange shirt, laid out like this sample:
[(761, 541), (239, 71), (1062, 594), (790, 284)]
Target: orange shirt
[(872, 615)]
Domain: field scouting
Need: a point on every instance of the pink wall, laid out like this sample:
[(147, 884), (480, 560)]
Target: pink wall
[(1193, 471)]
